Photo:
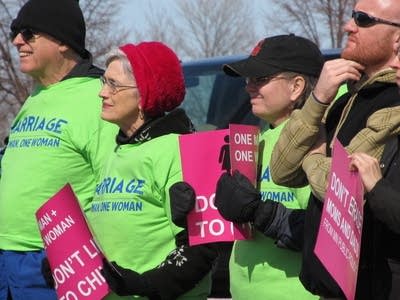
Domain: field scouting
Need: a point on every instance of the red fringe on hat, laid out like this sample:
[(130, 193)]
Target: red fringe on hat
[(158, 75)]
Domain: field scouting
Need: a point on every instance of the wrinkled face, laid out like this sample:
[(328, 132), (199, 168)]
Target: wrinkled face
[(38, 56), (371, 46), (270, 98), (120, 97)]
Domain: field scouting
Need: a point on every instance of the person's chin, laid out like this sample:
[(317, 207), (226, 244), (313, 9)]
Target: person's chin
[(256, 112), (347, 53), (26, 69), (349, 50), (106, 116), (354, 55)]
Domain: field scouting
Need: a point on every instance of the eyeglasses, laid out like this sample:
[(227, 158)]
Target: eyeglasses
[(363, 19), (27, 34), (113, 86), (259, 81)]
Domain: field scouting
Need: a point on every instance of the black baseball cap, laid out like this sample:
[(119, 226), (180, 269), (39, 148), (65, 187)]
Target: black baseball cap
[(276, 54)]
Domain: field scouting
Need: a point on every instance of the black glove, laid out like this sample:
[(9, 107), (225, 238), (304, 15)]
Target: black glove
[(238, 200), (125, 282), (182, 198), (181, 270), (46, 272)]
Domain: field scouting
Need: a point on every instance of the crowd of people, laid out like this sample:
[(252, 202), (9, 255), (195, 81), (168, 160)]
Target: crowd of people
[(87, 126)]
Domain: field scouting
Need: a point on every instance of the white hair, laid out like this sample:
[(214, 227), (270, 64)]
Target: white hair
[(118, 54)]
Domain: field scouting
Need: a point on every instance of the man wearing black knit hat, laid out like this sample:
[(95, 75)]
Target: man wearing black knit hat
[(56, 138), (61, 19)]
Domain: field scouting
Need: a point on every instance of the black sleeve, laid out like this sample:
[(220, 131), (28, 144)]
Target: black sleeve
[(183, 268), (286, 226), (384, 201)]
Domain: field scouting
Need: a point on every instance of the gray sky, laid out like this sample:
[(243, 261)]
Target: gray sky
[(133, 12)]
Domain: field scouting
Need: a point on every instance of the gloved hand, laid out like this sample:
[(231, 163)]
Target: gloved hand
[(182, 198), (125, 282), (238, 200), (46, 272)]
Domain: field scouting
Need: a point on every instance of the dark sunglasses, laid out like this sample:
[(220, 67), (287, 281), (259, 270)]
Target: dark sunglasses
[(27, 34), (363, 19)]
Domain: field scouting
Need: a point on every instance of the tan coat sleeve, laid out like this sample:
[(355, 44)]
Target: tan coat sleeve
[(381, 125), (296, 139)]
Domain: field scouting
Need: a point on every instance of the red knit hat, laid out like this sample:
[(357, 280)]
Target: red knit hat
[(158, 75)]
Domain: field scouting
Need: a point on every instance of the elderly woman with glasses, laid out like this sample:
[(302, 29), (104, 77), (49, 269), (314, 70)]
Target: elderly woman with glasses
[(131, 216)]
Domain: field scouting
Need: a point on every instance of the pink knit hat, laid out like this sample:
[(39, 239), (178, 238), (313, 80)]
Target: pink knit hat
[(158, 75)]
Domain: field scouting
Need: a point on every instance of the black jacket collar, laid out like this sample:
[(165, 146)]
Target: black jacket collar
[(175, 122), (84, 68)]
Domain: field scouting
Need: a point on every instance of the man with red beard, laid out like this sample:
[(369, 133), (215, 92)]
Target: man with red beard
[(382, 190), (363, 120)]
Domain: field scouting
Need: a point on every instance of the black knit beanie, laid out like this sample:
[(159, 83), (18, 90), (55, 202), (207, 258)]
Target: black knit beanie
[(61, 19)]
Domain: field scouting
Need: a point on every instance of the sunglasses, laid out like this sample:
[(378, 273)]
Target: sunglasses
[(363, 19), (27, 34)]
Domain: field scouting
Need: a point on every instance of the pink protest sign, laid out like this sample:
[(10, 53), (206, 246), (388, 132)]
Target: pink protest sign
[(243, 143), (205, 156), (339, 236), (74, 259)]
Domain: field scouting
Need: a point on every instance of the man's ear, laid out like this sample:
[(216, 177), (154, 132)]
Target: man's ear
[(67, 51), (397, 37), (62, 47), (297, 85)]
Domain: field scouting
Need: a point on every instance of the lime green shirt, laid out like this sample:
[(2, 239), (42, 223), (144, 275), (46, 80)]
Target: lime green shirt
[(258, 268), (130, 214), (57, 137)]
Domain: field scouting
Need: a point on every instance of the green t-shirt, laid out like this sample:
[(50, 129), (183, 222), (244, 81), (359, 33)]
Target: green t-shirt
[(258, 268), (130, 213), (57, 137)]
